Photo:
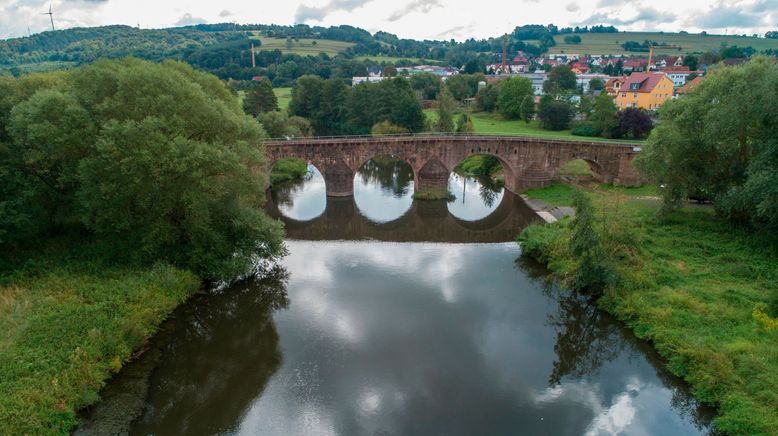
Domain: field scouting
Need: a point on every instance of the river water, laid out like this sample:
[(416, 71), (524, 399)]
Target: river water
[(396, 317)]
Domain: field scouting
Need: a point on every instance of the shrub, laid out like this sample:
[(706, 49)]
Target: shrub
[(585, 129), (387, 128)]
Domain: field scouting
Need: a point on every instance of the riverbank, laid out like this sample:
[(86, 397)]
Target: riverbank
[(695, 287), (68, 321)]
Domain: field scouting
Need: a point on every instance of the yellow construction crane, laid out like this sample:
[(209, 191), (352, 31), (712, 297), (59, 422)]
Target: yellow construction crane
[(651, 52)]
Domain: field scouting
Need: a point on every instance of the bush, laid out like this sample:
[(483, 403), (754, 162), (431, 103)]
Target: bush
[(286, 170), (772, 306), (387, 128), (585, 129), (633, 124), (465, 124)]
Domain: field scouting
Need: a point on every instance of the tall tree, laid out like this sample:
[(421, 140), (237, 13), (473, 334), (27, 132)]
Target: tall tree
[(426, 84), (446, 106), (720, 140), (260, 98), (512, 92), (554, 114), (560, 80), (486, 99), (604, 116), (528, 108), (465, 124)]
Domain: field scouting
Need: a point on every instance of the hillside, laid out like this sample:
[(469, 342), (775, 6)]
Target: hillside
[(610, 43), (303, 46), (65, 48)]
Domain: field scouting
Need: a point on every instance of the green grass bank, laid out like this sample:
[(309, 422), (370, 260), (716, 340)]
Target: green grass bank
[(697, 288), (68, 321)]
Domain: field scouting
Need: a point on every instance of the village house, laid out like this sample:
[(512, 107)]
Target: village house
[(645, 91), (677, 74), (690, 85), (635, 65), (582, 80), (613, 85)]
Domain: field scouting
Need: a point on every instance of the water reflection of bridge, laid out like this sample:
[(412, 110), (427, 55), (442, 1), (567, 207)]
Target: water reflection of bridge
[(425, 221)]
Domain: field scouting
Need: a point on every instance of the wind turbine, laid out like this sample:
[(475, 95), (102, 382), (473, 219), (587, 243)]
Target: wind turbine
[(51, 15)]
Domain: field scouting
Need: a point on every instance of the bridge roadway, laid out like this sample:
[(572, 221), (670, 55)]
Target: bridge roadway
[(528, 162), (425, 221)]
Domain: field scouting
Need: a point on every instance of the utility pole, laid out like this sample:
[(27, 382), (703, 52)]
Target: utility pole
[(504, 53)]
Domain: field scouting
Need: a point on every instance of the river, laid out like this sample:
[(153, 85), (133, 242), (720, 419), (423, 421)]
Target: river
[(392, 316)]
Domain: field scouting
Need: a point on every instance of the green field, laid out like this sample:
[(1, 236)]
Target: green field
[(392, 59), (610, 43), (284, 96), (304, 46), (491, 124)]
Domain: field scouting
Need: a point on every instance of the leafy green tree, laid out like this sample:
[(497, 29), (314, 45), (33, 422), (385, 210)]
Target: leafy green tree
[(474, 66), (560, 80), (486, 99), (426, 84), (465, 124), (692, 62), (554, 114), (306, 96), (596, 84), (604, 116), (512, 92), (528, 108), (390, 100), (279, 124), (260, 98), (156, 160), (446, 106), (462, 86), (720, 140)]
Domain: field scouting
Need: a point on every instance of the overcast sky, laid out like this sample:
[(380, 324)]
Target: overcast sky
[(436, 19)]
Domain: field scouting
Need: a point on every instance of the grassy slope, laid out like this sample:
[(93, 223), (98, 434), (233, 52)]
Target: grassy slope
[(66, 325), (305, 46), (696, 296), (392, 59), (610, 43), (284, 96)]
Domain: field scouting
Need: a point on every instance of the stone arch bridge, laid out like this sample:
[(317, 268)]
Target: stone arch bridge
[(527, 162)]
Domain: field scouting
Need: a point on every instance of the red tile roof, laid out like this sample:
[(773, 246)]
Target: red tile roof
[(646, 81), (690, 85)]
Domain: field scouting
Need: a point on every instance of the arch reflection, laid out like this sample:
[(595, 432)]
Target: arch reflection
[(383, 188), (477, 187), (301, 200)]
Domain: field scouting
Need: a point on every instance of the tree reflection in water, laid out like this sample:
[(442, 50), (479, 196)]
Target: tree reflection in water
[(587, 338), (391, 173), (283, 193), (220, 356)]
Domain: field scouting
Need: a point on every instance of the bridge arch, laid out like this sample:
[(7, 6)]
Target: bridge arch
[(598, 173)]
